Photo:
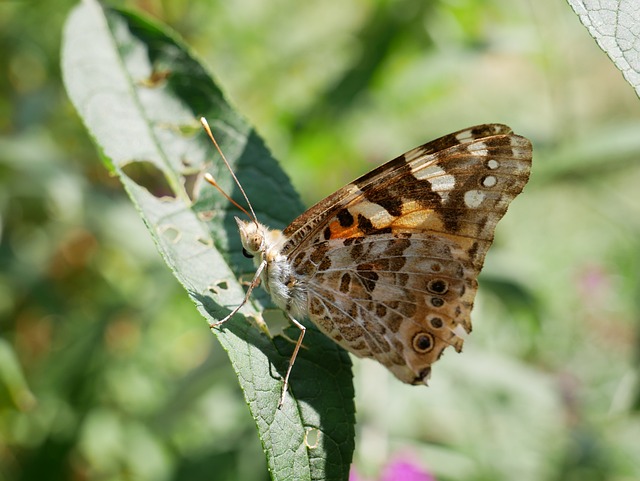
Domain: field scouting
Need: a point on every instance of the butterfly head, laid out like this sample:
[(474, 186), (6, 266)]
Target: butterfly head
[(252, 236)]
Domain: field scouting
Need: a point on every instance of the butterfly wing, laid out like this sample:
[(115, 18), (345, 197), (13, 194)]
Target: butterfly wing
[(390, 261)]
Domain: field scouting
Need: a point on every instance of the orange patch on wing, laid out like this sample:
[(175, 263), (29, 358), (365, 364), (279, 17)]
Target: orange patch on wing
[(419, 219), (339, 232)]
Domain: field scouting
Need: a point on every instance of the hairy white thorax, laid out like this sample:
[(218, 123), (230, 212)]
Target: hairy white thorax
[(286, 288)]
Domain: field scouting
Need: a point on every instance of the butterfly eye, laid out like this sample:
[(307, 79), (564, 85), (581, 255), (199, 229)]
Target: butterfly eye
[(423, 342), (246, 253)]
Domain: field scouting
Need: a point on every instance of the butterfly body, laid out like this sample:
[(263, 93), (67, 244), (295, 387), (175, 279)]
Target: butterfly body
[(387, 266), (264, 245)]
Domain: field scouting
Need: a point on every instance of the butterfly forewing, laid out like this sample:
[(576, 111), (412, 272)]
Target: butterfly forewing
[(390, 261)]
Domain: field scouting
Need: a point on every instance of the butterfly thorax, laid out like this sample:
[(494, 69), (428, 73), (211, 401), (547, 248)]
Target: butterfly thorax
[(287, 289)]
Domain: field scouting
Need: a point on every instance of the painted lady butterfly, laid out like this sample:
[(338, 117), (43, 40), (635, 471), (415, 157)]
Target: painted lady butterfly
[(387, 265)]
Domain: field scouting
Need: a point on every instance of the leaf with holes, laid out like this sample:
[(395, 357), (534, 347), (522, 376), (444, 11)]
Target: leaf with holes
[(140, 92)]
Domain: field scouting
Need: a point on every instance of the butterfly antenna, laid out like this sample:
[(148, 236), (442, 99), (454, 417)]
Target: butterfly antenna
[(209, 178)]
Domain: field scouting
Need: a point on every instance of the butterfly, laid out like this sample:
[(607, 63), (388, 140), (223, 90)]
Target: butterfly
[(387, 266)]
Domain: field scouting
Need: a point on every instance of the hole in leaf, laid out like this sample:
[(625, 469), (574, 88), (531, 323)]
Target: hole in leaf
[(206, 215), (171, 233), (207, 241), (156, 78), (246, 278), (190, 182), (218, 286), (148, 176), (311, 438)]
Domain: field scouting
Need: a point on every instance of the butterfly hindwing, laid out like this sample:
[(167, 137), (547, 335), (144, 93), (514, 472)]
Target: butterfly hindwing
[(375, 296)]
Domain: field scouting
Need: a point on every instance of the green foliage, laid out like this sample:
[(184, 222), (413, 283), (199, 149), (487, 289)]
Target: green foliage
[(140, 93)]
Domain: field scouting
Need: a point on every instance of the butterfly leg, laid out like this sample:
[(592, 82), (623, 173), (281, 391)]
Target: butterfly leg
[(253, 285), (285, 386)]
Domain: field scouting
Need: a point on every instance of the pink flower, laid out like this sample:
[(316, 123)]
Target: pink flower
[(400, 469), (405, 469), (354, 476)]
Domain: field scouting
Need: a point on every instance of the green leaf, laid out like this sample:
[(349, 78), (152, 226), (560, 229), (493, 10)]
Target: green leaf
[(140, 91), (13, 379), (615, 25)]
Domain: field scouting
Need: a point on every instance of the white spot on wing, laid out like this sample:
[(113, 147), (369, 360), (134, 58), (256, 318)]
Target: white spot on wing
[(493, 164), (441, 182), (473, 198), (353, 190), (477, 148), (463, 136), (489, 181), (377, 214)]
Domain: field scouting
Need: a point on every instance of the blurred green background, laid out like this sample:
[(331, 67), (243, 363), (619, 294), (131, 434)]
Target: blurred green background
[(108, 372)]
